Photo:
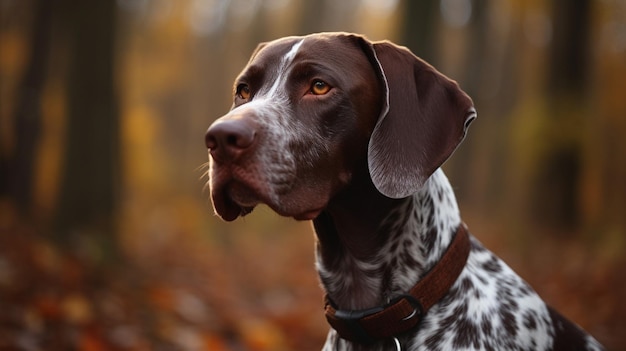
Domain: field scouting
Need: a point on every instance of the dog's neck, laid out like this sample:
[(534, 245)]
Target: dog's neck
[(371, 248)]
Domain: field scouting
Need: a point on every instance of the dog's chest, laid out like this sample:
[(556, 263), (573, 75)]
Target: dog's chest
[(489, 306)]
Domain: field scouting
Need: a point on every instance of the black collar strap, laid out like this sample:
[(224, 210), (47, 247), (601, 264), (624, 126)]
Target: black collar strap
[(406, 311)]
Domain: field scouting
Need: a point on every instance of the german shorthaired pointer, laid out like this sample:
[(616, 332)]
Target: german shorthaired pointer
[(351, 134)]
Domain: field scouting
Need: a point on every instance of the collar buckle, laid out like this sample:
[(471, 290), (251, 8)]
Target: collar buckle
[(418, 309)]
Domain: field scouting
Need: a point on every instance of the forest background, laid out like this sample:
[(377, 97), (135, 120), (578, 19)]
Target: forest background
[(107, 236)]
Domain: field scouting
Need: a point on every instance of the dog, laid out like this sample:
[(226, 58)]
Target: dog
[(351, 134)]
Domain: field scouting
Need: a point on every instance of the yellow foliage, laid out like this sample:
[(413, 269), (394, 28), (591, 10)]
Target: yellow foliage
[(50, 153), (14, 51), (140, 132), (261, 335), (76, 309)]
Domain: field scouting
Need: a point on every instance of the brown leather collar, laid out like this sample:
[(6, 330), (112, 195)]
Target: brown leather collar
[(406, 311)]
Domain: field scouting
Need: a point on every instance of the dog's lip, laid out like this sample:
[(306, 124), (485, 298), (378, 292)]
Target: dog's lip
[(242, 195), (235, 193), (226, 208), (233, 199), (308, 215)]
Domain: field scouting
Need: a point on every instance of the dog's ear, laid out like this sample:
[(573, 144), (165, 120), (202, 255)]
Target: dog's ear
[(424, 118)]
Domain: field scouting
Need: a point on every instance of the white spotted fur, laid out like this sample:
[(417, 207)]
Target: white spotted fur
[(483, 303)]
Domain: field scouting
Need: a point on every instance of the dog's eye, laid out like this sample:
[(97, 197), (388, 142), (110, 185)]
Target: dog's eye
[(319, 87), (243, 91)]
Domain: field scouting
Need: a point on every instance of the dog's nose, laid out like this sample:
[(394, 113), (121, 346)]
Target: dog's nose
[(229, 138)]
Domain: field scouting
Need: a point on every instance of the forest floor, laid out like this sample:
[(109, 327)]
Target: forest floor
[(248, 292)]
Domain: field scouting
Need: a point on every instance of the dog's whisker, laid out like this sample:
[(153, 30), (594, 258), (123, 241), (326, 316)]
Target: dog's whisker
[(203, 169)]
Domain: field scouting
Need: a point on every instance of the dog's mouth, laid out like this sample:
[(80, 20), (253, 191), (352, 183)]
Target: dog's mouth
[(235, 196), (242, 195), (238, 195), (236, 190)]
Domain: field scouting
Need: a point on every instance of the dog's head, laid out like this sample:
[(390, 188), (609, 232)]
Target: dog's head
[(309, 110)]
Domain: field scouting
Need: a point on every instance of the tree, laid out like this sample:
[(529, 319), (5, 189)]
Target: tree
[(555, 197), (20, 168), (418, 28), (91, 174)]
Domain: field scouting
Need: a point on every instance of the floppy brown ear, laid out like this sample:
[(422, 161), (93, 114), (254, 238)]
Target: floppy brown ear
[(424, 118)]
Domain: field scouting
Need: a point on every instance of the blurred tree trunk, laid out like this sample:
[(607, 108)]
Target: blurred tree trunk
[(569, 56), (19, 182), (311, 16), (258, 27), (556, 185), (91, 175), (484, 186), (418, 28)]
